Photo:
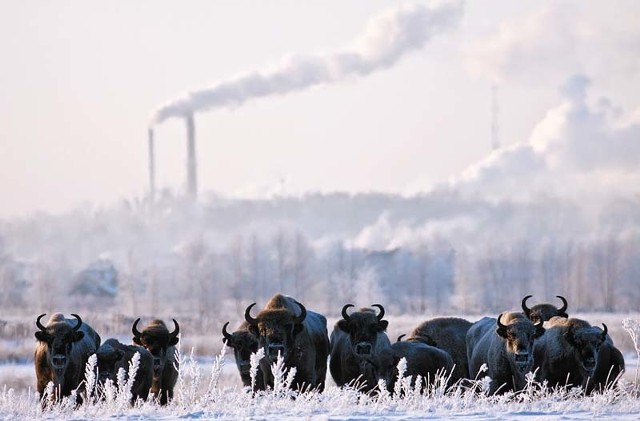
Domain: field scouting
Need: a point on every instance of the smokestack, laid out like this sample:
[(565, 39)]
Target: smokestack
[(152, 168), (495, 142), (192, 176)]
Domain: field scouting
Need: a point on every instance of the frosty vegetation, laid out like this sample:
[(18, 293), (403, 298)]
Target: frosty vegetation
[(441, 253), (199, 395)]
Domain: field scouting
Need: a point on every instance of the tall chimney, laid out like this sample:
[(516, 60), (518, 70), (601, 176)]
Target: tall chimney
[(152, 168), (192, 175)]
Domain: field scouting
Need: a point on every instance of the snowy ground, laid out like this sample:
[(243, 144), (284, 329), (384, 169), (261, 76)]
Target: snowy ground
[(198, 398), (211, 389)]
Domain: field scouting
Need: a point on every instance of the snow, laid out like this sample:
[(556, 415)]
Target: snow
[(210, 389)]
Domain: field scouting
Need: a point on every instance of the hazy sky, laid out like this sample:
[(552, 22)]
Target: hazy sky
[(80, 82)]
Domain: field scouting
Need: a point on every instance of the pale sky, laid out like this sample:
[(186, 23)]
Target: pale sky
[(80, 81)]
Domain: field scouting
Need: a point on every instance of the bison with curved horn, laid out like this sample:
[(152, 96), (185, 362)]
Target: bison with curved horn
[(570, 353), (244, 343), (544, 312), (360, 349), (299, 338), (157, 339), (505, 345), (63, 348)]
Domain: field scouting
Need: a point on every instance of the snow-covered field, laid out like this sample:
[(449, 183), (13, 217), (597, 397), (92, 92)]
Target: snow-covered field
[(209, 387)]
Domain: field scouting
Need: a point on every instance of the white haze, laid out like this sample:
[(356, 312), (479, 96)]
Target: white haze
[(386, 39)]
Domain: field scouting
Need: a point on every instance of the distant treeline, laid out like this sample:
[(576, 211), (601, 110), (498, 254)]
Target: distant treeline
[(438, 253)]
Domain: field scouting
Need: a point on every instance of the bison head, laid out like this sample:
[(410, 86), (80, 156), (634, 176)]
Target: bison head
[(519, 333), (363, 328), (276, 329), (157, 339), (244, 343), (107, 357), (586, 342), (544, 312), (59, 338)]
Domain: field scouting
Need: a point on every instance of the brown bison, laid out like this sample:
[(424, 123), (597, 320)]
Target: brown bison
[(157, 339), (448, 334), (244, 343), (571, 353), (506, 347), (360, 349), (299, 338), (544, 312), (113, 355), (62, 351)]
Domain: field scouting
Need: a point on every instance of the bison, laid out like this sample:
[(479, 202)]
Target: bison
[(113, 355), (544, 312), (299, 338), (244, 343), (448, 334), (157, 339), (422, 360), (360, 348), (505, 346), (62, 351), (570, 353)]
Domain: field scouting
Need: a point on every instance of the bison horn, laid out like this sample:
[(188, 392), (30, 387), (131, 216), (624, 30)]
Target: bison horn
[(38, 324), (526, 309), (226, 334), (176, 329), (499, 322), (76, 327), (134, 328), (604, 331), (344, 311), (381, 314), (247, 316), (564, 304), (400, 337), (303, 313)]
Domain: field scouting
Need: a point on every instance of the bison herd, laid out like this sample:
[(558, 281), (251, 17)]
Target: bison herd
[(541, 340)]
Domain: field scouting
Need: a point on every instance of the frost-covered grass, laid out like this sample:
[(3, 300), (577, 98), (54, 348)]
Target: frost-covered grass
[(200, 395), (203, 391)]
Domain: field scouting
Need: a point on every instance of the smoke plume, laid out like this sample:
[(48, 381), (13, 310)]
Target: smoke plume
[(386, 39)]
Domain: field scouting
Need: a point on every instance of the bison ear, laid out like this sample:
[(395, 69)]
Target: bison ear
[(77, 336), (297, 328), (253, 329), (137, 341), (382, 325), (343, 325), (173, 341), (42, 336), (502, 331), (568, 336)]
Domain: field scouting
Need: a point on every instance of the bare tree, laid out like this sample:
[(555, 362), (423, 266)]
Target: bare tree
[(280, 243), (237, 270), (300, 265)]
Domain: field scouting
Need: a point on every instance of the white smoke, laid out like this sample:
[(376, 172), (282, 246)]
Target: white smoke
[(582, 156), (576, 148), (386, 39), (562, 38)]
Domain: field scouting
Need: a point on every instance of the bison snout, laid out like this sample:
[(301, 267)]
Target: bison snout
[(363, 348), (275, 350), (157, 365), (59, 361), (589, 364)]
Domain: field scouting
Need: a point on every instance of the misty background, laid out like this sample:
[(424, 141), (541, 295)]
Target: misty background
[(440, 159)]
